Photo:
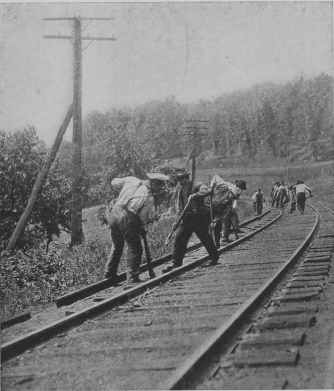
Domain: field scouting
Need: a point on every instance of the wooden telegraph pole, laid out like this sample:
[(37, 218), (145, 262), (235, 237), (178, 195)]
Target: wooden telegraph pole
[(195, 126), (76, 209)]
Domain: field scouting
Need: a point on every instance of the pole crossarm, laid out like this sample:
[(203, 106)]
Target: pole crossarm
[(195, 134), (79, 18), (83, 38), (194, 127), (195, 120)]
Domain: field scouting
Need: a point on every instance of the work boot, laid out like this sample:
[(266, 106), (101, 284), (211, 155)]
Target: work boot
[(132, 283), (169, 268), (113, 278), (226, 240)]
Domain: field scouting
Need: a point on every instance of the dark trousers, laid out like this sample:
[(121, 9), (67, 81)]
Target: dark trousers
[(292, 206), (277, 199), (301, 199), (223, 222), (125, 229), (282, 198), (197, 224), (259, 207)]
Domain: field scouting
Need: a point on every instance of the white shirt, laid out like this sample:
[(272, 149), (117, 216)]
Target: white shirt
[(301, 188), (136, 196), (218, 181)]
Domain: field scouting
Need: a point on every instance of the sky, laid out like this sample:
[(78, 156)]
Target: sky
[(192, 50)]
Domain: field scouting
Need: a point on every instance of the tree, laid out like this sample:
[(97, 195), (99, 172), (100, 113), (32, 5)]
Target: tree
[(20, 163)]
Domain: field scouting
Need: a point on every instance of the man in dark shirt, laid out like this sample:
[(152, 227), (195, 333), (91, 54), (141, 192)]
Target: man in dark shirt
[(196, 219)]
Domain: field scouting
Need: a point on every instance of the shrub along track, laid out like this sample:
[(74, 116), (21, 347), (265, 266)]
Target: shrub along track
[(160, 339)]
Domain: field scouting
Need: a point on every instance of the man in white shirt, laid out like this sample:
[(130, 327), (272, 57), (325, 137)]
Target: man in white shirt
[(282, 195), (128, 220), (301, 191), (275, 194), (258, 200)]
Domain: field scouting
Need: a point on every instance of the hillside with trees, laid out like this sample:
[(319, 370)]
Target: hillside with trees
[(290, 121)]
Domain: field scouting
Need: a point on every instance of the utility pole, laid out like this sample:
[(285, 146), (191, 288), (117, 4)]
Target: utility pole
[(195, 126), (76, 208)]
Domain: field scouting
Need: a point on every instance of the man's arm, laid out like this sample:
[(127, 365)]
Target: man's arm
[(118, 183), (201, 190)]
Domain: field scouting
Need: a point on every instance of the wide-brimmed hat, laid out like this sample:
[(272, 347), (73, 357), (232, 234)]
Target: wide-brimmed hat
[(157, 176), (241, 184)]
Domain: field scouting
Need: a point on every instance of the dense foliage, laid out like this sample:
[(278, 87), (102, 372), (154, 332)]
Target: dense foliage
[(21, 160), (35, 278), (290, 121)]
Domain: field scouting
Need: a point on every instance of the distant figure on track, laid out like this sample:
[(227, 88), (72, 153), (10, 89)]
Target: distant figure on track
[(275, 198), (128, 220), (258, 200), (196, 219), (282, 195), (224, 203), (292, 198), (301, 191)]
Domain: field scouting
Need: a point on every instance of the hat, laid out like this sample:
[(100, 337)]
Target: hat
[(277, 183), (180, 174), (157, 176), (241, 184)]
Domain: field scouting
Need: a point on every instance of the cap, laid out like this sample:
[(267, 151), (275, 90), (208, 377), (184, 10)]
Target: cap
[(157, 176), (180, 174), (241, 184)]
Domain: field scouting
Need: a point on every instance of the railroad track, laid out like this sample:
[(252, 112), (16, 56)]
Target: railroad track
[(84, 299), (162, 337)]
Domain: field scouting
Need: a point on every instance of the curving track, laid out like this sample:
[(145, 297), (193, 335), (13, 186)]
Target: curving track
[(167, 335)]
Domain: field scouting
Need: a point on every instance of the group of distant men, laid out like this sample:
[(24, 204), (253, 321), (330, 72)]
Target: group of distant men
[(209, 211), (201, 209), (282, 194)]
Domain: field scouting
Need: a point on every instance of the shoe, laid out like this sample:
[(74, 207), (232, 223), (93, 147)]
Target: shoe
[(132, 283), (212, 263), (113, 278), (226, 240), (169, 268)]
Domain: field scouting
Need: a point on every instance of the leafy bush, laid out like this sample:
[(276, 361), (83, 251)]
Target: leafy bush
[(34, 278), (20, 164)]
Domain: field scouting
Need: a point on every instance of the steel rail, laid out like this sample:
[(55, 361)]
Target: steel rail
[(182, 376), (20, 344), (90, 290)]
